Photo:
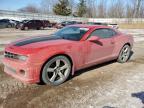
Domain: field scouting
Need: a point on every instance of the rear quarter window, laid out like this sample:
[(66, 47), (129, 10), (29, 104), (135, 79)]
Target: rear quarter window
[(104, 33)]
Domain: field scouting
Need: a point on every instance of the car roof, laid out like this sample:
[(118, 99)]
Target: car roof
[(90, 26)]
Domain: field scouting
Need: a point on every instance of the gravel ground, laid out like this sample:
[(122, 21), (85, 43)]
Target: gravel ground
[(108, 85)]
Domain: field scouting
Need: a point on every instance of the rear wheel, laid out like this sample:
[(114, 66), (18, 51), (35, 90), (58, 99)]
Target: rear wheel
[(26, 28), (124, 54), (56, 70)]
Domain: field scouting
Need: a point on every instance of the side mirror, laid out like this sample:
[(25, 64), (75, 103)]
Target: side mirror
[(94, 39)]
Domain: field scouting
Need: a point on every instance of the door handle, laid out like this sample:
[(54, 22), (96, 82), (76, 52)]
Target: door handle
[(99, 43)]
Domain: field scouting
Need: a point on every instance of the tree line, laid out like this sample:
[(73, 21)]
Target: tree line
[(90, 8)]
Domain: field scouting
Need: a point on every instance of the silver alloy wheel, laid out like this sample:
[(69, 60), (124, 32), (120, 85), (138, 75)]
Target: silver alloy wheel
[(56, 70), (124, 54)]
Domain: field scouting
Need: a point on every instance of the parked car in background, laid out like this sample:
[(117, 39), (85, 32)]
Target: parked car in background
[(46, 23), (19, 23), (66, 23), (6, 23), (52, 24), (115, 26), (32, 24), (79, 22), (96, 23), (52, 59), (14, 22)]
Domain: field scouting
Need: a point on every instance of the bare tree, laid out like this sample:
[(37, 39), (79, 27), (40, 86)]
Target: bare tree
[(111, 10), (102, 9), (47, 5), (91, 8), (29, 8), (129, 11), (96, 8), (141, 13), (116, 9), (82, 8), (137, 8), (73, 5)]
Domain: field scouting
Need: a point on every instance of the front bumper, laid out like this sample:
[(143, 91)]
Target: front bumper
[(23, 71)]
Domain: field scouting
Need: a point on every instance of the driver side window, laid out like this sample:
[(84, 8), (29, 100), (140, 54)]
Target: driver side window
[(103, 33)]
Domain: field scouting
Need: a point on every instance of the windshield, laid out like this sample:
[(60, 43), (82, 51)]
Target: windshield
[(71, 33), (24, 21)]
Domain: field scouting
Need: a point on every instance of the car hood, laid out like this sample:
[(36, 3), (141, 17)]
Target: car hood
[(40, 42)]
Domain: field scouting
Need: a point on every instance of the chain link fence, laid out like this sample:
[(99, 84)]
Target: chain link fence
[(24, 15)]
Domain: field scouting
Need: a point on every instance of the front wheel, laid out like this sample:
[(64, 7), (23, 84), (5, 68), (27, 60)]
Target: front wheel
[(124, 54), (56, 70)]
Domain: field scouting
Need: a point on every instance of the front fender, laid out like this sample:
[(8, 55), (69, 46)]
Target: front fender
[(43, 56)]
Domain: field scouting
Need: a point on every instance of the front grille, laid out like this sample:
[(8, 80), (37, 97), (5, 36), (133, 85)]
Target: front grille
[(10, 55)]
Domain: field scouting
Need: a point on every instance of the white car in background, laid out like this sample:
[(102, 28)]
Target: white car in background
[(115, 26)]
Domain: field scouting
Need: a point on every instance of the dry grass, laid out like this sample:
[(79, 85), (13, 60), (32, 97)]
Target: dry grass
[(132, 26)]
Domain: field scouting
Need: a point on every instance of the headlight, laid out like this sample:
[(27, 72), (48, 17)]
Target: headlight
[(22, 58), (15, 56)]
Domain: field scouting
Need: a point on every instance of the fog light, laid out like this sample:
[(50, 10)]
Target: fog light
[(22, 72)]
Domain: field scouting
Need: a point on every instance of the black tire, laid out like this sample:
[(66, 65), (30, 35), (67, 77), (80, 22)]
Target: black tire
[(56, 70), (38, 28), (124, 54)]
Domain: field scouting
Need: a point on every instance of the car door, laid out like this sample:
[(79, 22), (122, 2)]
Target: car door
[(103, 49), (1, 24), (37, 24), (31, 24), (40, 24)]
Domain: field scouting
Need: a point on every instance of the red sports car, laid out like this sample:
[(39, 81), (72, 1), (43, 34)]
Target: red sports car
[(53, 58)]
